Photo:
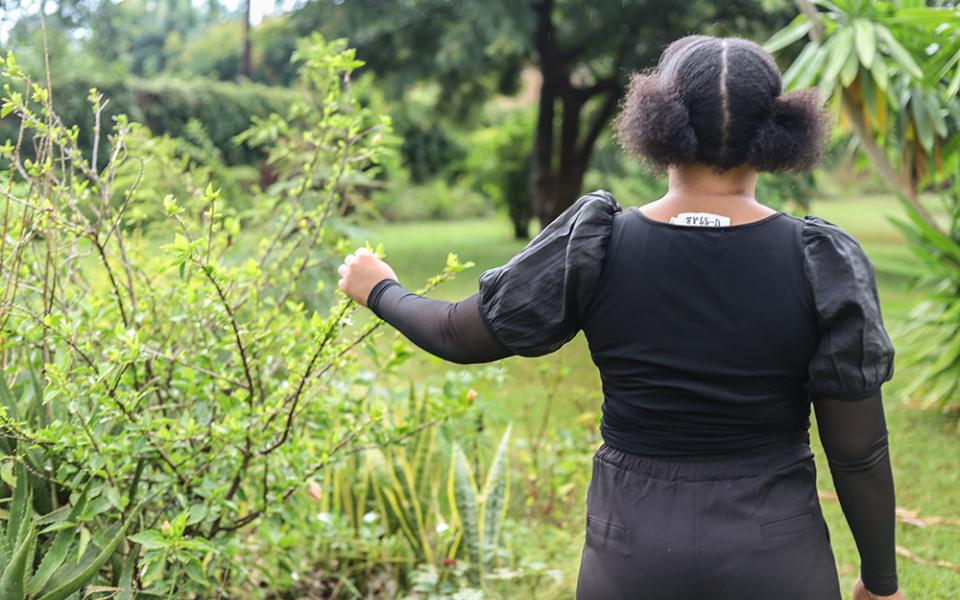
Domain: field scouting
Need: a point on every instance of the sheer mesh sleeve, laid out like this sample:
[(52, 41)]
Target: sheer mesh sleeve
[(854, 436), (534, 303), (451, 330), (854, 357)]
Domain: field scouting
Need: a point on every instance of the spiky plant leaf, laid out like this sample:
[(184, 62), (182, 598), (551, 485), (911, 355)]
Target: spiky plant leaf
[(465, 495), (495, 493)]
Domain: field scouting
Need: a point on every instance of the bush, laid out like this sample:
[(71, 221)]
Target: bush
[(180, 380), (167, 106), (437, 199), (499, 165)]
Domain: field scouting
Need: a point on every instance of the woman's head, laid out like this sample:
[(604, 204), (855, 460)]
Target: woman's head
[(719, 101)]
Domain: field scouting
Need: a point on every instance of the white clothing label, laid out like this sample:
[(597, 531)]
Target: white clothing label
[(700, 219)]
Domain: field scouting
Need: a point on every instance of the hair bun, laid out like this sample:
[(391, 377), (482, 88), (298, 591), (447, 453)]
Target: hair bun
[(655, 124), (792, 137)]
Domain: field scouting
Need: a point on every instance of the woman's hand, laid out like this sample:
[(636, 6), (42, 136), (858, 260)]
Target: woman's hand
[(361, 271), (862, 593)]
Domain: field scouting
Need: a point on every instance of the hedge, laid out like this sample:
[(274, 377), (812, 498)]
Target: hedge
[(166, 106)]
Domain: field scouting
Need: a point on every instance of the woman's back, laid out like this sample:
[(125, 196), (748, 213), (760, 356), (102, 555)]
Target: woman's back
[(703, 335)]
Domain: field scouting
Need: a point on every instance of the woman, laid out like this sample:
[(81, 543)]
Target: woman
[(716, 323)]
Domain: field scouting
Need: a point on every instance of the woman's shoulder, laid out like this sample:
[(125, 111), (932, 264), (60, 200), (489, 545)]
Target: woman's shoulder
[(825, 240), (598, 203), (813, 227)]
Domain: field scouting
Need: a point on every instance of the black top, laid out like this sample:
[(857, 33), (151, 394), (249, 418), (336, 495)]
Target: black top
[(708, 340)]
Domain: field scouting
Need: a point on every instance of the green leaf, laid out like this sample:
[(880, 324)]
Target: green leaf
[(880, 74), (898, 52), (495, 491), (90, 570), (804, 68), (152, 571), (866, 41), (465, 494), (837, 49), (194, 569), (54, 558), (149, 539), (954, 88), (11, 584), (20, 509), (114, 497), (850, 70), (84, 542), (797, 28), (126, 575)]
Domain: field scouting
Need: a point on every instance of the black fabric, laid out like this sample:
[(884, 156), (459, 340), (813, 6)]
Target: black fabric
[(854, 437), (713, 339), (534, 303), (854, 355), (739, 526), (709, 342), (451, 330), (703, 336)]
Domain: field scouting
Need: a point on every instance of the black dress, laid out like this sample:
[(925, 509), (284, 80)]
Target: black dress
[(712, 345)]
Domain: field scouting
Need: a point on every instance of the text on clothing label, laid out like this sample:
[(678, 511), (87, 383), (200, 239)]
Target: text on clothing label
[(700, 219)]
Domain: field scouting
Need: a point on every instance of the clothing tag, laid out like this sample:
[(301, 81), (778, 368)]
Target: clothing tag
[(700, 219)]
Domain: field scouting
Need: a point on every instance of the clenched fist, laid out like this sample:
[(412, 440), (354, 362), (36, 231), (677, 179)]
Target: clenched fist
[(361, 271)]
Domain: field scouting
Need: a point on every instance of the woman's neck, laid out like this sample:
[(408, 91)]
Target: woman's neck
[(699, 188), (702, 181)]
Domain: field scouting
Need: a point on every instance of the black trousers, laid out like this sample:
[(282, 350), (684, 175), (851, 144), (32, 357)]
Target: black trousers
[(738, 527)]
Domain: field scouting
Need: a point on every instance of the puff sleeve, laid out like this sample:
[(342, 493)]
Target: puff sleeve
[(854, 355), (534, 303)]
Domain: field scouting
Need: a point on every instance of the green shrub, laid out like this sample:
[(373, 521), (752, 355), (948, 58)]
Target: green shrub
[(436, 199), (184, 366), (166, 106), (499, 165)]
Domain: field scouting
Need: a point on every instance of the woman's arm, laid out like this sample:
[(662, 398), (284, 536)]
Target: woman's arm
[(854, 436), (453, 331)]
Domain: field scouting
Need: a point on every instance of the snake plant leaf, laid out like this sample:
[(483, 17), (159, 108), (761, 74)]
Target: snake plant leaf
[(465, 493), (495, 493)]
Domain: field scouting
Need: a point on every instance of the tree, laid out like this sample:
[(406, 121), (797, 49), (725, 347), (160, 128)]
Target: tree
[(584, 52)]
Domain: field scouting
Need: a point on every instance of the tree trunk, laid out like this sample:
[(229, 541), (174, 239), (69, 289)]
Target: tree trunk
[(521, 228), (541, 172), (556, 184), (245, 56), (556, 174)]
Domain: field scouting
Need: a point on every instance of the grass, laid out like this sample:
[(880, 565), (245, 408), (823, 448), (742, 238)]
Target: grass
[(925, 445)]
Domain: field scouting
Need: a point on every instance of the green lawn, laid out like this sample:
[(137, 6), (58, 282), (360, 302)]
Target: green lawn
[(925, 446)]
